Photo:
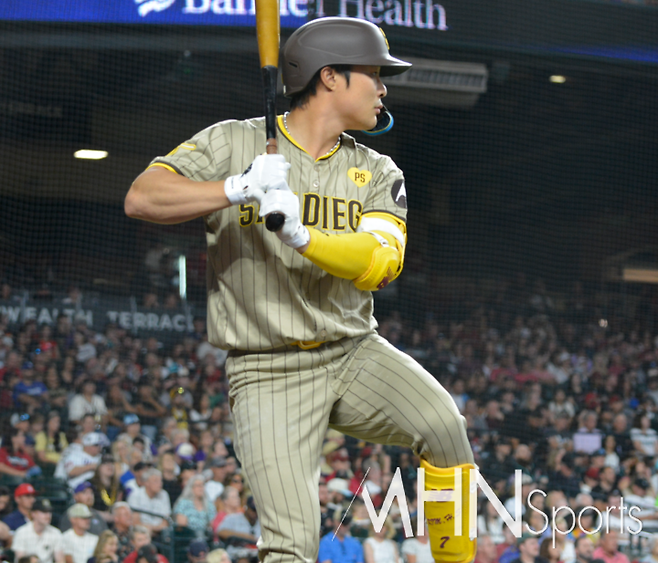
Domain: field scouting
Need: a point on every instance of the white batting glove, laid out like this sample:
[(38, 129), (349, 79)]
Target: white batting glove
[(266, 172), (283, 201)]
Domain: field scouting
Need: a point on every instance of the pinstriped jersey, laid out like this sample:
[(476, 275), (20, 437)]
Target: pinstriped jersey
[(261, 293)]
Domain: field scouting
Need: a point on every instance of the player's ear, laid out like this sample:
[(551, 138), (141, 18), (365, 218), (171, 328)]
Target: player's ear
[(328, 77)]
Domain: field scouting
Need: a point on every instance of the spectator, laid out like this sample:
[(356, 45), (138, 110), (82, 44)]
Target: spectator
[(78, 543), (241, 525), (588, 438), (342, 548), (51, 441), (651, 557), (584, 547), (197, 551), (88, 402), (220, 556), (29, 395), (215, 485), (379, 546), (153, 499), (528, 545), (608, 548), (644, 438), (149, 554), (139, 537), (194, 509), (486, 550), (550, 551), (148, 408), (80, 464), (490, 524), (14, 460), (133, 429), (38, 537), (106, 549), (611, 455), (229, 503), (24, 496), (106, 485), (84, 494), (123, 519), (417, 549)]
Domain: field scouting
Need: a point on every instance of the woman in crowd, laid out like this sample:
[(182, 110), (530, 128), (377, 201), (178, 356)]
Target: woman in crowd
[(228, 502), (51, 441), (550, 553), (170, 475), (201, 412), (490, 523), (417, 549), (14, 460), (193, 509), (106, 548), (611, 455), (379, 547), (106, 485)]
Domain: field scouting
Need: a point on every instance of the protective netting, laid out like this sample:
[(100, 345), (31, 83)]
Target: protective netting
[(528, 289)]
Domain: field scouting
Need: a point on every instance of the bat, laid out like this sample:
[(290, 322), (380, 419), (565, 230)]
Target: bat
[(268, 33)]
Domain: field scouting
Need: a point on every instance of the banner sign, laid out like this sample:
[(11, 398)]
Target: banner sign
[(164, 324), (185, 12)]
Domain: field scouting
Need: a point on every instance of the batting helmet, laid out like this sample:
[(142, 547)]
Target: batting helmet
[(335, 41)]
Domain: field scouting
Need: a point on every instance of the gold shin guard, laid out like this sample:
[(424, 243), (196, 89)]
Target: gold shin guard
[(447, 546)]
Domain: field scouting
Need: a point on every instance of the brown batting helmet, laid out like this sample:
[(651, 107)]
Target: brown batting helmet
[(335, 41)]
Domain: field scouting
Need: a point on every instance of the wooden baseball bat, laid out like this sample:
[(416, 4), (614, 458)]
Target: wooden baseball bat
[(268, 33)]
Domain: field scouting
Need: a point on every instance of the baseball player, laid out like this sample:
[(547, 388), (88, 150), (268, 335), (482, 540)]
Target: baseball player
[(294, 308)]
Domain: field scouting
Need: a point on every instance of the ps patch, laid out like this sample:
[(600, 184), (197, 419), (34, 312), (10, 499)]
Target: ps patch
[(399, 194)]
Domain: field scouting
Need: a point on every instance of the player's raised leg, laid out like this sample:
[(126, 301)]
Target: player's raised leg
[(391, 399)]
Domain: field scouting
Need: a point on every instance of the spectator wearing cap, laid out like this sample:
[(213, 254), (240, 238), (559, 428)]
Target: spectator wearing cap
[(24, 497), (88, 402), (81, 464), (84, 494), (29, 395), (121, 526), (51, 441), (193, 508), (644, 438), (215, 485), (341, 548), (197, 551), (528, 545), (153, 499), (608, 548), (107, 487), (132, 431), (243, 525), (78, 543), (39, 537), (14, 460)]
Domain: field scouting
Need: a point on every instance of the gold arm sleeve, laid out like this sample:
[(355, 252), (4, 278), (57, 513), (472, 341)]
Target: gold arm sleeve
[(371, 259)]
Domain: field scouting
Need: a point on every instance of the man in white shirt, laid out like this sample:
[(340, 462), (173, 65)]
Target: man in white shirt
[(215, 485), (38, 537), (78, 543), (151, 498), (80, 465)]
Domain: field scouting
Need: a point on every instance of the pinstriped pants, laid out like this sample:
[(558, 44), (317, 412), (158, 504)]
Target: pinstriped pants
[(283, 403)]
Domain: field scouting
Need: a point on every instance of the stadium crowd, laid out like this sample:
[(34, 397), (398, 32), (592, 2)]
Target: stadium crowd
[(114, 444)]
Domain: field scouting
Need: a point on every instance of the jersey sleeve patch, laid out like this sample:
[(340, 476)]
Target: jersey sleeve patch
[(399, 194)]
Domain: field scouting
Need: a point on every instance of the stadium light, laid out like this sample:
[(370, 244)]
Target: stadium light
[(558, 79), (89, 154)]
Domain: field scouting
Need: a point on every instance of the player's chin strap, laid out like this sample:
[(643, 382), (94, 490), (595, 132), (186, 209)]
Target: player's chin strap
[(384, 123)]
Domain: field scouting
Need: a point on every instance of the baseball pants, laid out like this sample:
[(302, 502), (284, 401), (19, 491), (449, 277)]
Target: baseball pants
[(283, 402)]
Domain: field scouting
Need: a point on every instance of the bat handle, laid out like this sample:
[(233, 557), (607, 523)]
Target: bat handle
[(274, 221)]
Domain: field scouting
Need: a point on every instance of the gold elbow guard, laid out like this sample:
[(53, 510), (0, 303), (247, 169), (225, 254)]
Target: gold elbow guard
[(385, 266)]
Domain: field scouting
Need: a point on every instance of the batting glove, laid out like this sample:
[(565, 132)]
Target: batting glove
[(266, 172), (283, 201)]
